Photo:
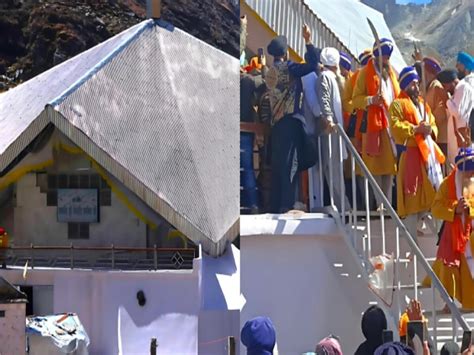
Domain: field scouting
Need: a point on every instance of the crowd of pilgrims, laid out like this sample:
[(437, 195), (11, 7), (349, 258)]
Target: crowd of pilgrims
[(412, 130), (259, 336)]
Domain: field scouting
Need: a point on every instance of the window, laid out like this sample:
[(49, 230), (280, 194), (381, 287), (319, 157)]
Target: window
[(105, 198), (62, 181), (78, 230), (52, 198), (95, 181), (73, 181), (84, 181), (2, 314), (52, 182)]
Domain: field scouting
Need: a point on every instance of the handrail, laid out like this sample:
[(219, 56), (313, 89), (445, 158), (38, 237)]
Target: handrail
[(112, 248), (400, 225)]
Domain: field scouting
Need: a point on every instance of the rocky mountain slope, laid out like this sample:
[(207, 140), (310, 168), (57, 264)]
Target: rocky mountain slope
[(38, 34), (443, 27)]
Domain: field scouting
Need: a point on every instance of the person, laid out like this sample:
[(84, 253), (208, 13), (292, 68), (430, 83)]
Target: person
[(352, 123), (453, 264), (312, 110), (283, 80), (450, 348), (259, 336), (345, 70), (461, 105), (375, 96), (3, 247), (374, 323), (413, 312), (329, 346), (419, 175), (436, 98), (354, 119), (394, 348), (331, 115), (449, 80)]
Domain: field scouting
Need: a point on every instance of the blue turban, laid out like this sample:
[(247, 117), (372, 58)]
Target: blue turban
[(432, 65), (365, 56), (258, 335), (467, 60), (394, 348), (407, 76), (465, 159), (345, 61), (278, 46), (387, 47)]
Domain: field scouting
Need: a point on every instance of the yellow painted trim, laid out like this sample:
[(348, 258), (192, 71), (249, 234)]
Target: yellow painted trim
[(15, 175), (267, 27), (178, 234), (117, 192)]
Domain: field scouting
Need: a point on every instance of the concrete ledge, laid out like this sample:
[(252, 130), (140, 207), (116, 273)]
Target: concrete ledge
[(313, 224)]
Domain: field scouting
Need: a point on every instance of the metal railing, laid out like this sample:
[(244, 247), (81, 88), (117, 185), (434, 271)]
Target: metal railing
[(348, 222), (101, 257)]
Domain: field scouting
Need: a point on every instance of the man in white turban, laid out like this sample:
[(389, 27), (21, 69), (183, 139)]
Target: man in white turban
[(331, 115)]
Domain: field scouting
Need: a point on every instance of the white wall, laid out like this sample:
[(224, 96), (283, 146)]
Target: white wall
[(108, 309), (12, 329), (292, 280), (36, 223)]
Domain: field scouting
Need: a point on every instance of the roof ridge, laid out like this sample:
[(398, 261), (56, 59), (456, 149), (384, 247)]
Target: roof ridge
[(146, 24)]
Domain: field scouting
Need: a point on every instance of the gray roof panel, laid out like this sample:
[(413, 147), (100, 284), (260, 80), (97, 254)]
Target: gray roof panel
[(159, 110)]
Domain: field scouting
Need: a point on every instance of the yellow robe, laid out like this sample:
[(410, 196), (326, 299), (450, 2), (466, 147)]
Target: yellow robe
[(385, 163), (347, 108), (403, 133), (458, 281)]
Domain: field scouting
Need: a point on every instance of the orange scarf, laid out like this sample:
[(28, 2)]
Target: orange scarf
[(410, 114), (376, 116), (455, 235)]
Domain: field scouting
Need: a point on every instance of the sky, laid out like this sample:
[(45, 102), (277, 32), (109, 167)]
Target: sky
[(419, 2)]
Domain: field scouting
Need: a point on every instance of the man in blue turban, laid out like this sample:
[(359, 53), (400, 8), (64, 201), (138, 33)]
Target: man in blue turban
[(259, 336), (419, 173), (464, 65), (461, 105)]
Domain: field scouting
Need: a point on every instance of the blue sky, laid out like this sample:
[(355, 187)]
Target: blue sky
[(419, 2)]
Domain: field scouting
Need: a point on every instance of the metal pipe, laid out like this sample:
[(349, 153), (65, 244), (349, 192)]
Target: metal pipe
[(435, 319), (321, 175), (367, 216), (331, 178), (354, 201), (414, 247), (342, 185)]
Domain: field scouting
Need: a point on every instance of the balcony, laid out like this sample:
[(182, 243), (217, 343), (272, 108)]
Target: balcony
[(100, 258)]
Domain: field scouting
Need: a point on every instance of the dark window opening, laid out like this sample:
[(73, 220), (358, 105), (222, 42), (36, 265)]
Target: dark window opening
[(78, 230), (52, 198)]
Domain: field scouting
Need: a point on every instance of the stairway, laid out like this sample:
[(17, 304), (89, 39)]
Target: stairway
[(369, 234)]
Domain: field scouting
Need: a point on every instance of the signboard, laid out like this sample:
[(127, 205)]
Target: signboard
[(78, 205)]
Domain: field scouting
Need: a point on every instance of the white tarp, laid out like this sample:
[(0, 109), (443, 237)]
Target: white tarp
[(57, 334)]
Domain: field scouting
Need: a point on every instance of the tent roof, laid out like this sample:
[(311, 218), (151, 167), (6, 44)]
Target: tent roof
[(155, 107)]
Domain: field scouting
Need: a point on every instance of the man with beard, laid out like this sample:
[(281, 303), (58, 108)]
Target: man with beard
[(378, 149), (436, 98), (419, 175), (449, 80), (461, 105)]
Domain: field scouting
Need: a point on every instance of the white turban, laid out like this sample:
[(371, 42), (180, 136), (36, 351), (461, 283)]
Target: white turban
[(330, 57)]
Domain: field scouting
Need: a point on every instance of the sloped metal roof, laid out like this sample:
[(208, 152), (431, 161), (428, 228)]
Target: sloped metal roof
[(336, 23), (159, 110)]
